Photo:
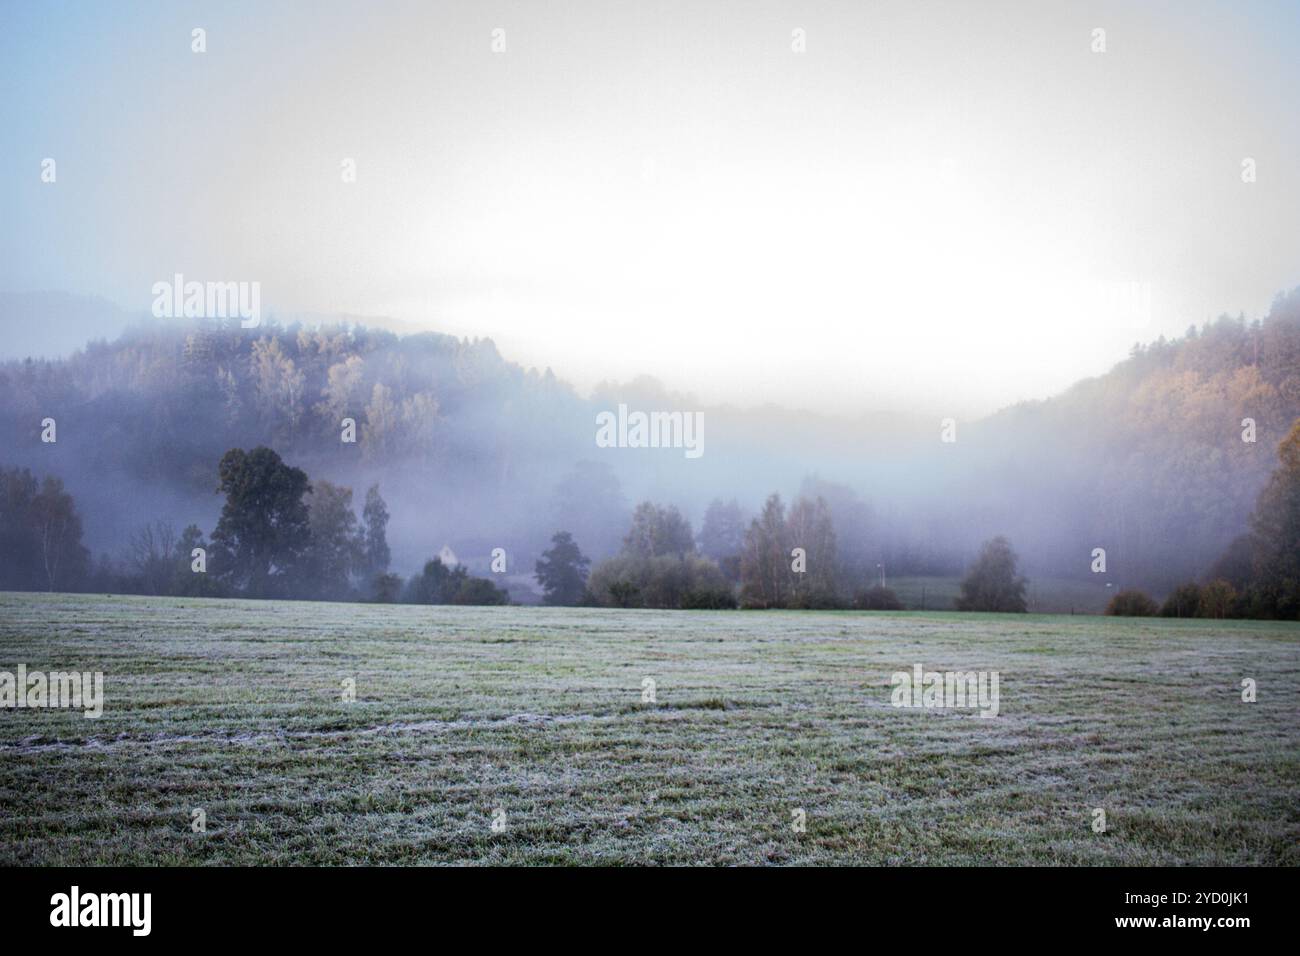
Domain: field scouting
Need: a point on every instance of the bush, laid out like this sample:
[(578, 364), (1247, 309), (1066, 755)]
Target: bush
[(877, 598), (438, 584), (623, 594), (664, 581), (1132, 603), (480, 591)]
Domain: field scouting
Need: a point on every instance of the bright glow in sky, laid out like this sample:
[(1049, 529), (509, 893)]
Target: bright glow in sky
[(938, 206)]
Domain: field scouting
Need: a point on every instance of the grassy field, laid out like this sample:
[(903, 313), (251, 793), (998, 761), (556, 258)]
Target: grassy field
[(236, 708)]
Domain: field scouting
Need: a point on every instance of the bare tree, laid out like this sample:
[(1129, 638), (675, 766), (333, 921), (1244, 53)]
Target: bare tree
[(152, 553)]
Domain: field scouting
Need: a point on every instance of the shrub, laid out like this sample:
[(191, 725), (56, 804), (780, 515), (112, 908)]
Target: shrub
[(1132, 603), (663, 581), (438, 584), (624, 593), (877, 598), (480, 591)]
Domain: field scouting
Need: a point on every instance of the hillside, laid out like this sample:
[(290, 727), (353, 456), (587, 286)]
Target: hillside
[(1146, 461)]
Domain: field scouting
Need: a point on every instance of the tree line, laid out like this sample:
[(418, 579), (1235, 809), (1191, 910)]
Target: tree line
[(788, 558), (280, 535), (283, 535), (1150, 458), (784, 559)]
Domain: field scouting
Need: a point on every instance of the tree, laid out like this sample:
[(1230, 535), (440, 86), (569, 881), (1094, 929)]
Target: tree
[(665, 581), (991, 584), (334, 551), (264, 526), (809, 527), (279, 386), (562, 571), (374, 517), (722, 536), (438, 584), (380, 436), (58, 535), (624, 593), (705, 597), (153, 556), (857, 540), (1183, 601), (1132, 603), (1217, 599), (1237, 564), (386, 588), (589, 502), (772, 575), (765, 562), (1276, 532), (419, 421), (342, 383), (479, 591), (19, 564), (657, 532), (435, 584), (185, 580)]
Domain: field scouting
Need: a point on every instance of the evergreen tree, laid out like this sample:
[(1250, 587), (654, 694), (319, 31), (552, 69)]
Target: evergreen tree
[(374, 518), (562, 571)]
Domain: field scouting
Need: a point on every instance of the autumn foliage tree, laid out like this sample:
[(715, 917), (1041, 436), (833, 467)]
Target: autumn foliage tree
[(789, 559), (765, 561), (1275, 526)]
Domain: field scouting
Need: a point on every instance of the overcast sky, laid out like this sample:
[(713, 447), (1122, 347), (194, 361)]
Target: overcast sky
[(935, 206)]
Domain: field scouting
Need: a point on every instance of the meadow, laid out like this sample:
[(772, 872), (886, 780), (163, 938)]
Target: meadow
[(535, 720)]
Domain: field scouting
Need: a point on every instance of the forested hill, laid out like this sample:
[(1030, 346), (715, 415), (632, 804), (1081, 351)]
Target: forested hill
[(1149, 460), (1146, 461), (147, 416)]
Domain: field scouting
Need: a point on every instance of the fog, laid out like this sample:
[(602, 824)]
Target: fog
[(474, 451), (894, 255), (841, 207)]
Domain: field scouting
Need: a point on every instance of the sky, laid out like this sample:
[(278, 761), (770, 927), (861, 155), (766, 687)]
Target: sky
[(919, 206)]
